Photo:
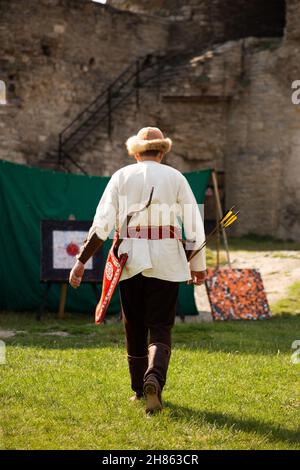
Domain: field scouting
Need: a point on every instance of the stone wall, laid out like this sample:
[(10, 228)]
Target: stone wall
[(255, 146), (230, 109), (190, 105), (263, 143), (197, 100), (226, 106), (287, 69), (55, 58)]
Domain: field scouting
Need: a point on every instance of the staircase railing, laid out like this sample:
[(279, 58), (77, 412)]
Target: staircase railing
[(101, 109), (137, 75)]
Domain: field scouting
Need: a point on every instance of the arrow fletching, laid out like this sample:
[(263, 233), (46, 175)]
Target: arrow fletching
[(227, 215), (228, 219), (231, 220)]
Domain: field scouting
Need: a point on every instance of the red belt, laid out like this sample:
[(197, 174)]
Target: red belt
[(154, 232)]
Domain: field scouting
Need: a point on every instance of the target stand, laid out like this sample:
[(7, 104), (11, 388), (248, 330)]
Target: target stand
[(60, 243)]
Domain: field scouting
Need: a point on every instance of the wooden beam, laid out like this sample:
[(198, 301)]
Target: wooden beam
[(219, 209), (62, 301)]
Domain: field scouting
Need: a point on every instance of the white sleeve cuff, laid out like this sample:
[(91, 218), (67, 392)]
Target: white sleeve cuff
[(198, 263)]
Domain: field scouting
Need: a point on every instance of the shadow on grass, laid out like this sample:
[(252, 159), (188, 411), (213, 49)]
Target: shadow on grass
[(221, 421)]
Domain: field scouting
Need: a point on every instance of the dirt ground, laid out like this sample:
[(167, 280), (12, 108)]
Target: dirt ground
[(279, 270)]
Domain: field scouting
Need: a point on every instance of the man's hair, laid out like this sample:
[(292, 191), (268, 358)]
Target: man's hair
[(150, 153)]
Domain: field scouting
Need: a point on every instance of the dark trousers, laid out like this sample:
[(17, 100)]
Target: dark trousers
[(149, 309)]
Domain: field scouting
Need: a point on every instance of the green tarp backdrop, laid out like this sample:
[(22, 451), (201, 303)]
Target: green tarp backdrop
[(29, 195)]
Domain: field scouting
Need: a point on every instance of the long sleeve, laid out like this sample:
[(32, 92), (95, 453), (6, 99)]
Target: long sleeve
[(192, 223), (106, 214), (104, 221)]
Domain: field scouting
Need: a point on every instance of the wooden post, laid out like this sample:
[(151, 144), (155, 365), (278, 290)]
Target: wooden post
[(62, 301), (219, 209), (218, 235)]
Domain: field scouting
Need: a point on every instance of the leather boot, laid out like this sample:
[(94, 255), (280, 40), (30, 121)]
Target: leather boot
[(137, 369), (156, 374)]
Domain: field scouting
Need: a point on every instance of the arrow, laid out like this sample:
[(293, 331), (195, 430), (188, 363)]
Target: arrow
[(227, 220)]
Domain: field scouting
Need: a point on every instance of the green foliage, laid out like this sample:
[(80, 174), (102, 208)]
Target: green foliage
[(253, 242)]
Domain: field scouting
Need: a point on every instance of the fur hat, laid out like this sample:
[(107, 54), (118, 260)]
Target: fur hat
[(148, 138)]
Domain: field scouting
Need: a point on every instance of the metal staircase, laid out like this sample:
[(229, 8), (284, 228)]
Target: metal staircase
[(147, 72), (72, 140)]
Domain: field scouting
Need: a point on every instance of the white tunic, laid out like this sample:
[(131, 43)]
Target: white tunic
[(129, 189)]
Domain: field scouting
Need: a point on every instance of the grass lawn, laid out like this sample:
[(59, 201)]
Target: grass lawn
[(230, 386), (259, 243)]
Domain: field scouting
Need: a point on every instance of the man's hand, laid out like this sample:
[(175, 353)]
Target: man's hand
[(198, 277), (76, 274)]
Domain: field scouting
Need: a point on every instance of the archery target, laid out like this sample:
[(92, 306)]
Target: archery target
[(66, 245), (237, 294)]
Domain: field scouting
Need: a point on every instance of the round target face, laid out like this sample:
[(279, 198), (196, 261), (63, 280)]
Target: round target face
[(66, 245), (72, 249)]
